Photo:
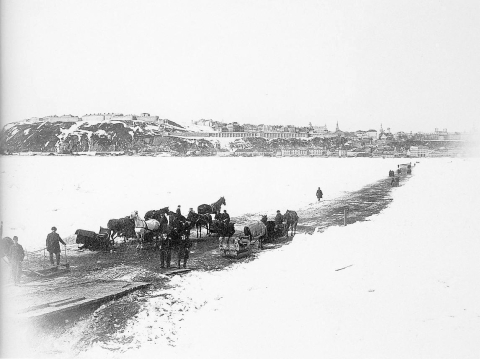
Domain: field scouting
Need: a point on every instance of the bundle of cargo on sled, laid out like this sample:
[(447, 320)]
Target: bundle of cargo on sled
[(235, 247), (94, 241)]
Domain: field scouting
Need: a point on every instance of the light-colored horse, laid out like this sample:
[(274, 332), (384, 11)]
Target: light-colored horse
[(256, 231), (142, 227)]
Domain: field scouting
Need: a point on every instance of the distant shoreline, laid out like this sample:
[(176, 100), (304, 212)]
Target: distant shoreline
[(166, 154)]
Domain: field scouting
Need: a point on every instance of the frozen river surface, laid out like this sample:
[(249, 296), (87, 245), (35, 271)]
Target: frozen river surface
[(85, 192), (403, 284)]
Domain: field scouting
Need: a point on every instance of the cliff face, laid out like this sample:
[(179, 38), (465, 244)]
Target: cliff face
[(67, 137)]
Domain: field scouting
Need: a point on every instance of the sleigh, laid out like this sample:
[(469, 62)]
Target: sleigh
[(235, 247), (94, 241)]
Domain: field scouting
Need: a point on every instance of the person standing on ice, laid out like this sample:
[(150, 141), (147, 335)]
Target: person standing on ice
[(53, 245), (16, 256), (319, 194), (278, 219)]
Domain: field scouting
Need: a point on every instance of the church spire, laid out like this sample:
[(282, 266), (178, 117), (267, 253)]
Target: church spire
[(337, 129)]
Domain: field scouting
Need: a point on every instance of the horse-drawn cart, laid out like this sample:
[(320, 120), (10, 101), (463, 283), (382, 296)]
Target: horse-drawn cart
[(95, 241)]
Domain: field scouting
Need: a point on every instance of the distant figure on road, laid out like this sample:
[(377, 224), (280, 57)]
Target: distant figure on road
[(16, 257), (53, 245), (392, 183), (319, 194)]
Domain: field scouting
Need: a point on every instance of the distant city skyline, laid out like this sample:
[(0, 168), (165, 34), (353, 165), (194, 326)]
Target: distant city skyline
[(411, 66), (150, 116)]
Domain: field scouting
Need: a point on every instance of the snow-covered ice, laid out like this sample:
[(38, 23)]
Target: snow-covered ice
[(85, 192), (408, 287)]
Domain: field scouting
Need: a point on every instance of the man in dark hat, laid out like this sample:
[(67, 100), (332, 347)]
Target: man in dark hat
[(225, 217), (16, 257), (179, 212), (278, 219), (53, 245)]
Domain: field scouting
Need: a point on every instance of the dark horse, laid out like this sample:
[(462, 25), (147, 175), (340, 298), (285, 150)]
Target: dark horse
[(201, 220), (156, 214), (176, 238), (122, 227), (223, 229), (211, 208), (291, 218), (273, 231)]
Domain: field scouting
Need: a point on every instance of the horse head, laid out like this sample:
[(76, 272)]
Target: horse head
[(164, 210), (222, 201), (264, 219)]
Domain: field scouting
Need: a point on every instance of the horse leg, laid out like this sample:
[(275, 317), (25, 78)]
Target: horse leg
[(142, 239), (138, 235)]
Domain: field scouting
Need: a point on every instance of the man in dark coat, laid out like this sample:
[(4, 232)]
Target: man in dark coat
[(278, 219), (191, 216), (319, 194), (179, 212), (53, 245), (16, 256), (218, 216), (225, 217)]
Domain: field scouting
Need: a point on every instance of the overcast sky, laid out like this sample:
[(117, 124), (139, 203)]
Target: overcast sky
[(410, 65)]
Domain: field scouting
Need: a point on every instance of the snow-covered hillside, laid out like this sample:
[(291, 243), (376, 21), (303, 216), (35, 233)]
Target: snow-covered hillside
[(81, 136)]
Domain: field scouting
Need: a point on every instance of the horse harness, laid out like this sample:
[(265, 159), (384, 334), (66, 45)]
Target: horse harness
[(145, 225)]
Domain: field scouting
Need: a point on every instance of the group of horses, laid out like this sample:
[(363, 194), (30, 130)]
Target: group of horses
[(269, 230), (170, 231)]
